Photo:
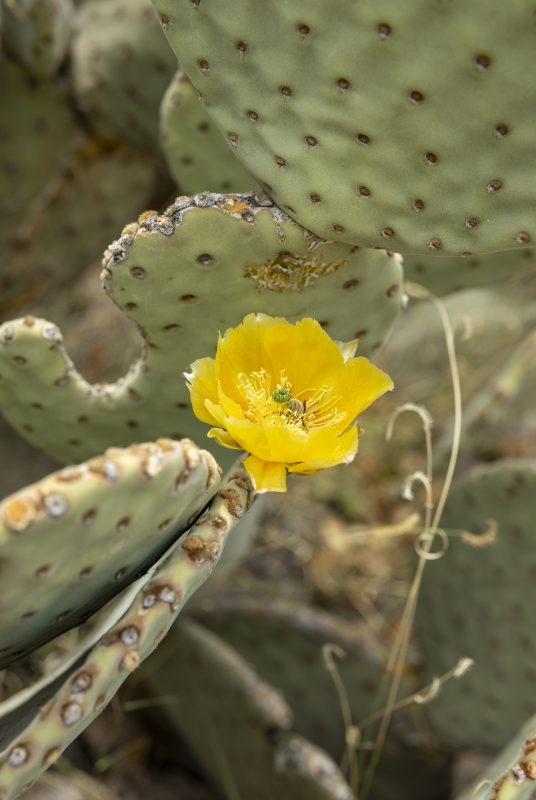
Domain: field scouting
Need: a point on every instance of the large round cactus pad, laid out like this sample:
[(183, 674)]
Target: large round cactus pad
[(378, 121), (73, 541)]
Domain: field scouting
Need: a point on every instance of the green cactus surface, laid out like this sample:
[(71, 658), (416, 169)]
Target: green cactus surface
[(29, 749), (477, 601), (283, 641), (183, 277), (512, 774), (122, 65), (37, 33), (66, 227), (228, 715), (444, 275), (71, 542), (197, 154), (410, 124)]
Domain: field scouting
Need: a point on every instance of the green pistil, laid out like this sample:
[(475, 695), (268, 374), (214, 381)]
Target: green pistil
[(282, 396)]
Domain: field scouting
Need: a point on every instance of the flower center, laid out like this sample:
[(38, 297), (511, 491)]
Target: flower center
[(303, 411)]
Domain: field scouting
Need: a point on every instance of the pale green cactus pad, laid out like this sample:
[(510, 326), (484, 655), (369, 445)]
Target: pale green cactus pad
[(198, 156), (28, 748), (37, 33), (66, 228), (36, 135), (283, 642), (444, 275), (183, 277), (238, 726), (512, 774), (71, 542), (122, 65), (410, 124), (477, 601)]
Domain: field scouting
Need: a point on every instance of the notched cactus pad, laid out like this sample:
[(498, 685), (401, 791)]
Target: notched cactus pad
[(198, 156), (228, 715), (71, 542), (122, 65), (183, 277), (478, 602), (28, 750), (410, 124)]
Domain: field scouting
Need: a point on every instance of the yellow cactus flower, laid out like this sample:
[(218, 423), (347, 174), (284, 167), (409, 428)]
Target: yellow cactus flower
[(287, 394)]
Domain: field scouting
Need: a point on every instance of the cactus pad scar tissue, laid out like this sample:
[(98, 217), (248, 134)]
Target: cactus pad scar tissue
[(287, 394)]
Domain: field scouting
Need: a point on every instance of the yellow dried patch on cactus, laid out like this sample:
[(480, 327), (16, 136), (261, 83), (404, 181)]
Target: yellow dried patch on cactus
[(286, 272)]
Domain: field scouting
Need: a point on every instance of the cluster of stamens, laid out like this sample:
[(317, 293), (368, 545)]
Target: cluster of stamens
[(266, 406)]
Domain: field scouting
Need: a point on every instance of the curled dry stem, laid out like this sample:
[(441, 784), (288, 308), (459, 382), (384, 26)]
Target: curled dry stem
[(352, 733)]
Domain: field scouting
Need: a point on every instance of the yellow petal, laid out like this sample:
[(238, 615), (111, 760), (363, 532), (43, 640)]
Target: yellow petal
[(231, 408), (324, 444), (267, 476), (224, 438), (216, 412), (202, 385), (241, 350), (250, 437), (305, 353), (347, 349), (357, 386)]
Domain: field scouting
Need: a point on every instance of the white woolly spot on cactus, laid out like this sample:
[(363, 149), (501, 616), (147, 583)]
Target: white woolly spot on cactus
[(71, 713), (56, 504)]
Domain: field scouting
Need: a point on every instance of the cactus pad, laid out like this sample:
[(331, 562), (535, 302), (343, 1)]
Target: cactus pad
[(37, 33), (183, 277), (197, 154), (444, 275), (27, 750), (71, 542), (122, 65), (477, 602), (228, 715), (283, 642), (375, 122)]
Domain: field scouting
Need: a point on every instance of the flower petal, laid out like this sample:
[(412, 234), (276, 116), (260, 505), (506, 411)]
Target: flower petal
[(266, 475), (224, 438), (306, 355), (241, 350), (231, 408), (357, 386), (216, 412), (202, 385), (347, 349), (250, 437)]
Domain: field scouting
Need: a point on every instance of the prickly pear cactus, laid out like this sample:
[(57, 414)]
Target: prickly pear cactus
[(33, 739), (476, 602), (71, 542), (379, 122), (283, 641), (197, 154), (37, 33), (182, 277), (444, 275), (122, 65), (228, 715), (512, 774)]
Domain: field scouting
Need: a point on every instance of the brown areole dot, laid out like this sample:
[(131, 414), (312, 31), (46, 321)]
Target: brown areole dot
[(303, 30), (435, 244), (242, 48), (387, 232), (310, 142), (471, 222), (280, 162), (416, 97), (494, 186), (233, 138), (384, 30), (286, 91), (418, 205), (482, 61), (343, 84), (522, 238), (362, 138), (430, 158), (314, 198), (363, 191), (204, 67), (500, 130)]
